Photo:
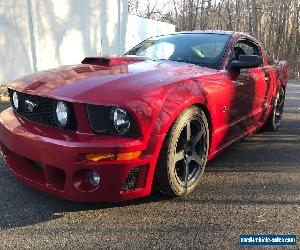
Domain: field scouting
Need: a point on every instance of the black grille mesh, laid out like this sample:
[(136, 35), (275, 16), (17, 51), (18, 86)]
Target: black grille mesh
[(44, 112), (131, 179), (100, 118)]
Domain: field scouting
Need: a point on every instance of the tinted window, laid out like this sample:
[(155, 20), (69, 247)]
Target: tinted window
[(201, 49)]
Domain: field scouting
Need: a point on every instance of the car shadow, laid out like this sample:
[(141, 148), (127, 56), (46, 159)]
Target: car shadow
[(263, 169), (22, 205)]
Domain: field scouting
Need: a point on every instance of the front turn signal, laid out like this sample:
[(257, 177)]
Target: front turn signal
[(100, 157), (114, 157), (129, 156)]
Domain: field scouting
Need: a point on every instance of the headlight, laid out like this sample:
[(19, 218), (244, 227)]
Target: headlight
[(111, 120), (121, 121), (62, 114), (15, 100)]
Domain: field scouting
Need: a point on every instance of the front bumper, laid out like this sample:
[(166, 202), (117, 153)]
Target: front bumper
[(51, 160)]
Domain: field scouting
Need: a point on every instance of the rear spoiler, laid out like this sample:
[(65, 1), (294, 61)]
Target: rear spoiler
[(113, 61)]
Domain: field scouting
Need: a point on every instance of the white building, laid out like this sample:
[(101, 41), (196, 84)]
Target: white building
[(36, 35)]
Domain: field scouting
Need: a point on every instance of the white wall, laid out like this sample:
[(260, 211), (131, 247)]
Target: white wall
[(36, 35), (68, 30), (139, 29), (15, 48)]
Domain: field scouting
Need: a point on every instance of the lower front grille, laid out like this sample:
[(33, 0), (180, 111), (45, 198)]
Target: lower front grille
[(33, 171), (131, 180), (44, 110)]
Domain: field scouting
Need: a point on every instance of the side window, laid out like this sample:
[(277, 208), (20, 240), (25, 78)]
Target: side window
[(246, 47)]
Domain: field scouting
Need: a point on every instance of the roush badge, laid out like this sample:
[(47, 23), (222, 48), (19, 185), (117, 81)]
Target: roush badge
[(30, 105)]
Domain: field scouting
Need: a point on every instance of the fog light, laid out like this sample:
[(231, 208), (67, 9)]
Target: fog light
[(94, 178)]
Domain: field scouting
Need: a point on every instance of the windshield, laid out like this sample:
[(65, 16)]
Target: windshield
[(199, 48)]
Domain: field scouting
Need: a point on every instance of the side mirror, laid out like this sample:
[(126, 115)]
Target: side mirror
[(245, 62)]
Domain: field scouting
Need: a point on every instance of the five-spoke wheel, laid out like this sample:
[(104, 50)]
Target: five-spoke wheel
[(273, 121), (184, 154)]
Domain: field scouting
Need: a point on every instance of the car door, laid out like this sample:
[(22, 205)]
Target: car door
[(268, 97), (262, 82), (249, 90)]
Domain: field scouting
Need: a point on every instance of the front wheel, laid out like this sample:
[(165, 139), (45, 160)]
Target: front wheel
[(273, 121), (184, 154)]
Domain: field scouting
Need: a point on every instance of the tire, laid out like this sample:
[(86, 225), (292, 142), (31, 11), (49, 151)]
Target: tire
[(273, 122), (185, 148)]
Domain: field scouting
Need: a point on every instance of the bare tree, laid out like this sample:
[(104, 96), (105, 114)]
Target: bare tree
[(274, 22)]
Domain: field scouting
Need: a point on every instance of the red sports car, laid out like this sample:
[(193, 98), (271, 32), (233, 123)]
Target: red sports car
[(114, 128)]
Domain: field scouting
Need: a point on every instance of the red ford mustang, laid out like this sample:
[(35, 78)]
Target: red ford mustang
[(114, 128)]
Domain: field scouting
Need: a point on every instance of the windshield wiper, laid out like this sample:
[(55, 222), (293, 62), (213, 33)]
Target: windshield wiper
[(178, 60), (190, 62)]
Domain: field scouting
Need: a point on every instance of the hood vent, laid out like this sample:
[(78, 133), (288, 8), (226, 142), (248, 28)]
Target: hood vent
[(113, 61), (81, 70)]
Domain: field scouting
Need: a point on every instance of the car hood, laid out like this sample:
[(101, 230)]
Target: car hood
[(107, 84)]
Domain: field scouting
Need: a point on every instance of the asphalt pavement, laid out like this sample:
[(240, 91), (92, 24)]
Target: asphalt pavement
[(251, 188)]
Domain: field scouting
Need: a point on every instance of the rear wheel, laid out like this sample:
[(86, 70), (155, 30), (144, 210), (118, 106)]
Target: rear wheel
[(273, 122), (184, 153)]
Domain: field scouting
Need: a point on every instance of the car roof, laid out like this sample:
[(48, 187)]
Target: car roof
[(221, 32), (225, 32)]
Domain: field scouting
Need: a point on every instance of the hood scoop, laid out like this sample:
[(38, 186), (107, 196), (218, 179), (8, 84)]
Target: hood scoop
[(113, 61)]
